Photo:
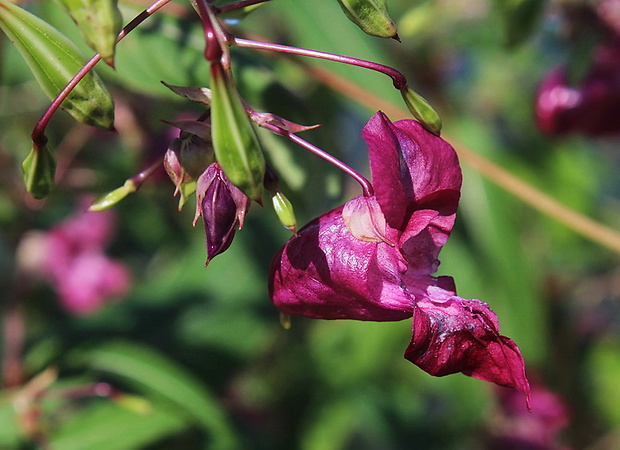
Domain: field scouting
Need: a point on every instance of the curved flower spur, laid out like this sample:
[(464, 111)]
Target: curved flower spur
[(373, 259)]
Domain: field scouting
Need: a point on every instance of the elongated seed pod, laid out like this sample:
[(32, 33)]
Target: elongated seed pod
[(54, 60)]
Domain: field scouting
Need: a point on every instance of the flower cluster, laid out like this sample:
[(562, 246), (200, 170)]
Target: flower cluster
[(373, 259)]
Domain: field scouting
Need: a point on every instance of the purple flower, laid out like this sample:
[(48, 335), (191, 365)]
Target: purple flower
[(373, 259)]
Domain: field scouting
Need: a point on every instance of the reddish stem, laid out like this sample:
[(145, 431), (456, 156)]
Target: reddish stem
[(399, 80), (140, 177), (367, 188), (237, 5)]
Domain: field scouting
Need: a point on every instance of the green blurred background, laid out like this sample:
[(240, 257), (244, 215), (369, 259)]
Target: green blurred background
[(199, 355)]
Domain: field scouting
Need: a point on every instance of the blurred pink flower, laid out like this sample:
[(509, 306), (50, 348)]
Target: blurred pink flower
[(516, 427), (71, 256), (590, 106), (373, 259)]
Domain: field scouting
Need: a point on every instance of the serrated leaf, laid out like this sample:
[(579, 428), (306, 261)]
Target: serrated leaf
[(54, 60)]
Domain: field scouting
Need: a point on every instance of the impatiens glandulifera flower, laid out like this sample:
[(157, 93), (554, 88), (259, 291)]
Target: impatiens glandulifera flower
[(373, 259), (591, 106), (223, 207)]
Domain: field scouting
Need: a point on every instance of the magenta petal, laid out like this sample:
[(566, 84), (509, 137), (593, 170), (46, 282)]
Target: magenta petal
[(433, 167), (385, 166), (452, 334), (326, 273), (411, 169)]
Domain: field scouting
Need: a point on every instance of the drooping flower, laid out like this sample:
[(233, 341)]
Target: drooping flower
[(373, 259)]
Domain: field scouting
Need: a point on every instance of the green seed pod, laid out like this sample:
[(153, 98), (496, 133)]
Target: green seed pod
[(235, 141), (99, 21), (38, 170), (422, 110), (284, 211), (371, 16), (54, 60)]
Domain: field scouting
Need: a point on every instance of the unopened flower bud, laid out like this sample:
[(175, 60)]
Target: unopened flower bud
[(38, 169), (222, 206), (422, 110), (371, 16), (284, 211), (186, 158)]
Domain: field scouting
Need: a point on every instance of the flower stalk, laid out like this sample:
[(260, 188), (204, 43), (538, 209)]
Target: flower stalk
[(366, 185)]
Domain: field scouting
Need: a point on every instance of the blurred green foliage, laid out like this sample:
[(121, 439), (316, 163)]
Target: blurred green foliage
[(198, 356)]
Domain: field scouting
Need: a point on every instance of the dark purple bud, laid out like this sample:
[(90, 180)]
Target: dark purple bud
[(222, 206)]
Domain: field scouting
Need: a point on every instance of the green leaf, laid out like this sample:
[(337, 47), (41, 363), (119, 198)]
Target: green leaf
[(38, 170), (110, 426), (100, 21), (518, 18), (371, 16), (54, 60), (10, 433), (235, 141), (155, 374)]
